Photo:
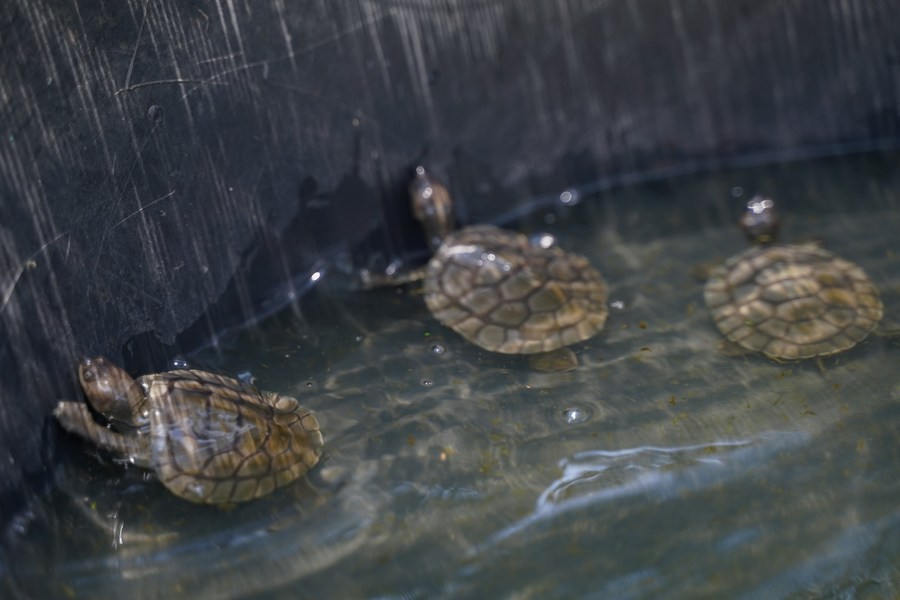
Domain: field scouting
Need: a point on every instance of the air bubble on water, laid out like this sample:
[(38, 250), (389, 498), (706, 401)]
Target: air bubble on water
[(246, 377), (179, 363), (618, 304), (737, 191), (427, 382), (438, 349), (570, 197), (549, 218), (309, 384), (759, 205), (573, 415), (543, 240), (393, 267), (358, 338)]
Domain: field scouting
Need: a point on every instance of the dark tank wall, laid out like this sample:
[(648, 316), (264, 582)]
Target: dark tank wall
[(170, 168)]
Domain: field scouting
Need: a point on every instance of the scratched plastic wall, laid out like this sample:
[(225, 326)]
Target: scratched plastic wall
[(171, 168)]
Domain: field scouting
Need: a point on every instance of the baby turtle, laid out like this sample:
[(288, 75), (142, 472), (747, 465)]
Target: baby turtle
[(210, 439), (790, 301), (498, 289), (505, 294)]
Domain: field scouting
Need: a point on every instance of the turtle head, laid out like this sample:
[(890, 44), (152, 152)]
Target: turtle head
[(432, 206), (760, 221), (110, 390)]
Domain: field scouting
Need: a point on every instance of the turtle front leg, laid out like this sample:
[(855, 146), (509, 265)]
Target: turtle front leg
[(75, 417)]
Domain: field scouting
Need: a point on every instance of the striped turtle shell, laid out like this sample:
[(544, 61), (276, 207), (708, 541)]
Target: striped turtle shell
[(215, 439), (502, 292), (792, 301), (210, 439)]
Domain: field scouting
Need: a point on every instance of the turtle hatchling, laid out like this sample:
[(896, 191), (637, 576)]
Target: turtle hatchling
[(497, 288), (210, 439), (790, 301)]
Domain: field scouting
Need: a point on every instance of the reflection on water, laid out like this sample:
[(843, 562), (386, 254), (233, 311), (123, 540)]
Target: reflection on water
[(658, 468)]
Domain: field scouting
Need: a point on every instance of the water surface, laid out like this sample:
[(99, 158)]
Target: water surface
[(659, 468)]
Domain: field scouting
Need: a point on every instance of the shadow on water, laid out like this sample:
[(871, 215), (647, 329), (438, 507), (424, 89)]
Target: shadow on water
[(658, 468)]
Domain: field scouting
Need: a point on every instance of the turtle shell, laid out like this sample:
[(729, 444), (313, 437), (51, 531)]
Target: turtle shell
[(792, 301), (505, 294), (215, 439)]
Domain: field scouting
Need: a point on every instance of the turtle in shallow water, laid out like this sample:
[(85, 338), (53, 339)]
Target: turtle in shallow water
[(210, 439), (498, 289), (789, 301)]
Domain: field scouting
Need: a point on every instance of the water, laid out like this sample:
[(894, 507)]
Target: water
[(659, 468)]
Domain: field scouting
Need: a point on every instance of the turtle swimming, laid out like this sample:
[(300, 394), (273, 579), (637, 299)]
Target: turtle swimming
[(789, 301), (209, 438), (497, 288)]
